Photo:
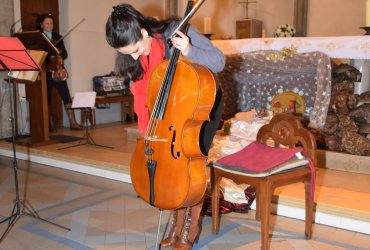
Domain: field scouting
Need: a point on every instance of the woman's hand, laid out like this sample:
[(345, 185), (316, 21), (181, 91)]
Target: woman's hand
[(181, 42)]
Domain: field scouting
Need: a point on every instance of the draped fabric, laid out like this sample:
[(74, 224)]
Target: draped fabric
[(345, 47), (250, 80)]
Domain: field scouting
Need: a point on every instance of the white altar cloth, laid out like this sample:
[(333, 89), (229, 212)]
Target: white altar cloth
[(344, 47)]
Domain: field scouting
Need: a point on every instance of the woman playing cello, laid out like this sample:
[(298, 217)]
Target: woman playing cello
[(142, 45)]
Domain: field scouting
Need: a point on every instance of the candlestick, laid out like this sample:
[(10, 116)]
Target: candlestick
[(263, 33), (207, 25), (367, 29), (367, 13)]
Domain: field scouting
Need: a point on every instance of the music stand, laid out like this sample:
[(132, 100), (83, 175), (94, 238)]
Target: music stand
[(86, 102), (13, 56), (11, 59), (36, 40)]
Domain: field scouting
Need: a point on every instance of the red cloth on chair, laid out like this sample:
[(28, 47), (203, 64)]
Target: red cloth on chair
[(257, 158)]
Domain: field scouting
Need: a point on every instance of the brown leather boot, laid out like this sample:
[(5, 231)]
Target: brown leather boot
[(176, 226), (52, 128), (191, 229), (72, 119)]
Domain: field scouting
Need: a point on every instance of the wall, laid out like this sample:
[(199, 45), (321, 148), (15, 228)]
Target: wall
[(224, 13), (325, 17), (90, 55), (6, 20), (336, 17), (275, 13), (95, 56), (6, 17)]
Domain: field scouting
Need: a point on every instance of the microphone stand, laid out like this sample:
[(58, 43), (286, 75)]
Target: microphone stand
[(12, 31)]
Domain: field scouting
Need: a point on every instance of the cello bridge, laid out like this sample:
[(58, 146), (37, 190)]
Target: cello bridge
[(155, 138)]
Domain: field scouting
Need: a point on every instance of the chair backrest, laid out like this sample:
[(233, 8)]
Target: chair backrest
[(286, 129)]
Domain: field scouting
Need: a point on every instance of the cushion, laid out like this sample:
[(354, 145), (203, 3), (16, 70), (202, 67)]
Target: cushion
[(258, 159)]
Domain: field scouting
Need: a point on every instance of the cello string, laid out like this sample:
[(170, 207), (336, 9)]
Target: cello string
[(159, 106), (162, 98), (158, 103), (167, 83), (161, 101), (164, 158)]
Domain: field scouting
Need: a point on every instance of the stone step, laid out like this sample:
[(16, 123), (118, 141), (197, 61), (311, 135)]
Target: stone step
[(343, 161)]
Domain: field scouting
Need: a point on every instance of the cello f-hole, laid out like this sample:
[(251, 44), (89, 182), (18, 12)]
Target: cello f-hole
[(177, 154)]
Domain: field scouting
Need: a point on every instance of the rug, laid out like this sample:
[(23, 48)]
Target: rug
[(64, 138)]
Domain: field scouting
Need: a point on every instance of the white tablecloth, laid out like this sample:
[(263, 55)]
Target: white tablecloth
[(345, 47), (243, 132)]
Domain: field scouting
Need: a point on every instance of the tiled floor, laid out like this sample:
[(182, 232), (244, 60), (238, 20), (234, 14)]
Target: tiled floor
[(106, 214)]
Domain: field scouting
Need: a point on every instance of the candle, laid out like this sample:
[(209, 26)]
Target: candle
[(367, 13), (263, 33), (207, 25)]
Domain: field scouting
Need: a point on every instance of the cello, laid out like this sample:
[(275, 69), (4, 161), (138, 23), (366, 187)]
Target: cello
[(168, 167)]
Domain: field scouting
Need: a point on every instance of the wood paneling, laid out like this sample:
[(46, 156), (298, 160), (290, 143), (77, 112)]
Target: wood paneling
[(248, 28), (30, 9), (300, 17)]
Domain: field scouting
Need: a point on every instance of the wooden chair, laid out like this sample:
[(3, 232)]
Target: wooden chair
[(284, 129)]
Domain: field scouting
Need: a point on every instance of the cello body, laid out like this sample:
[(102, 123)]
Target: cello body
[(168, 169)]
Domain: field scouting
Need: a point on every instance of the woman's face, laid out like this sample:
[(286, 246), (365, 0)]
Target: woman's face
[(47, 25), (142, 47)]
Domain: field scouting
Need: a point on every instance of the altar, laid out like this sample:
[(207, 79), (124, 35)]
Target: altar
[(254, 74)]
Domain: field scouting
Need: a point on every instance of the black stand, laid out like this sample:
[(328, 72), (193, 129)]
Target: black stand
[(367, 29), (17, 59), (20, 208), (86, 137)]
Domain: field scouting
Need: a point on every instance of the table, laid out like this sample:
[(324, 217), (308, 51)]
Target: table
[(127, 107), (252, 79)]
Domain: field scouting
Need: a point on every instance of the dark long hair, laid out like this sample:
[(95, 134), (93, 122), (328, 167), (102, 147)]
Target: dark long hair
[(41, 18), (123, 28)]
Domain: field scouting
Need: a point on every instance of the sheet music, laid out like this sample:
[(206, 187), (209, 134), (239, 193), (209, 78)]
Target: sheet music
[(39, 57), (84, 100)]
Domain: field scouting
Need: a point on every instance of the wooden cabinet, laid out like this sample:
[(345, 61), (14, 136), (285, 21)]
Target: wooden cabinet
[(248, 28), (30, 9)]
